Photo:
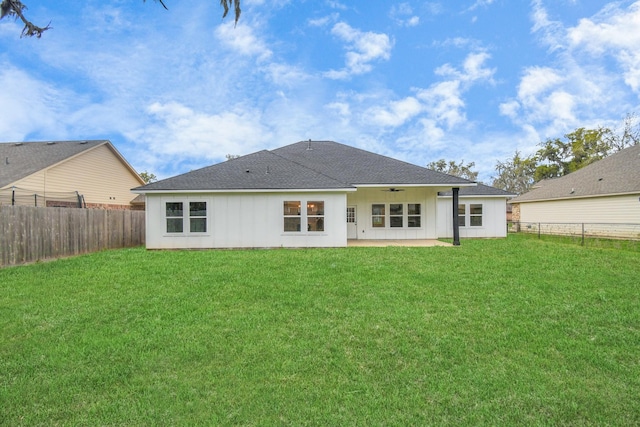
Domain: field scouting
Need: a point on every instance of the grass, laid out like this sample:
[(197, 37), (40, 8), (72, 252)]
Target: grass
[(495, 332)]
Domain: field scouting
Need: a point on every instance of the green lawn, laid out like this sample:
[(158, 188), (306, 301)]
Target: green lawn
[(517, 331)]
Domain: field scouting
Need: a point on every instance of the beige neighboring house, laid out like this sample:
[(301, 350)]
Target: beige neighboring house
[(605, 192), (91, 174)]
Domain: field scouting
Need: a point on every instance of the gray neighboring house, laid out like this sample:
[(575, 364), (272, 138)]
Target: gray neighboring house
[(605, 192), (307, 194)]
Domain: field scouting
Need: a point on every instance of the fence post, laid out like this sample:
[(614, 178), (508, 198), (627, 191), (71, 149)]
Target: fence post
[(539, 230), (582, 243)]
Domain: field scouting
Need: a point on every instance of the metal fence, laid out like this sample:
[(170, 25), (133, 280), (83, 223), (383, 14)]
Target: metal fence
[(29, 234), (581, 231), (16, 196)]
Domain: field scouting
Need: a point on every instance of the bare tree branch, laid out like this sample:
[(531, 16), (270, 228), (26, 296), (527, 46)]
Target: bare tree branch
[(226, 4), (15, 8)]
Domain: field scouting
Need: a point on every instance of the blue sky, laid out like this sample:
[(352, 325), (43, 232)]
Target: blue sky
[(176, 90)]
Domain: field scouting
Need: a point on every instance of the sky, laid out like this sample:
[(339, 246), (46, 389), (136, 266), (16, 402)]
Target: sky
[(179, 89)]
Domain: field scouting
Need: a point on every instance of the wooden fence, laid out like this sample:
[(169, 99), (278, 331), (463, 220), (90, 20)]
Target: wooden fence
[(29, 234)]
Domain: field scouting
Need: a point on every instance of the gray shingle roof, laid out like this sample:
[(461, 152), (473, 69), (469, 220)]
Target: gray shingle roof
[(355, 166), (258, 171), (618, 173), (327, 165), (479, 190), (19, 160)]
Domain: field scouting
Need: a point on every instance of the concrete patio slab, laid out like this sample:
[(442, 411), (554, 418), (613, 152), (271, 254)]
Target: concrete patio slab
[(383, 243)]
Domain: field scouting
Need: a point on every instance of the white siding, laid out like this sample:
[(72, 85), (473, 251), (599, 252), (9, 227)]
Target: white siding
[(611, 209), (247, 220), (365, 197), (494, 217)]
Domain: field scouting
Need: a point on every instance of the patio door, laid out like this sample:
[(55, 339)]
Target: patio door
[(352, 225)]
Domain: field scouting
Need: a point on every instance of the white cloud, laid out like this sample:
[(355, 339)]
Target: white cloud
[(396, 113), (241, 39), (177, 131), (403, 15), (613, 32), (29, 106), (363, 48), (580, 85)]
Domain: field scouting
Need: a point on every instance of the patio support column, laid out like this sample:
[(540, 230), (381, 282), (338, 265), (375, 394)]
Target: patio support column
[(456, 223)]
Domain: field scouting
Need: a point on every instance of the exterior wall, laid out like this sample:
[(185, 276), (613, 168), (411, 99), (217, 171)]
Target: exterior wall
[(246, 220), (365, 197), (611, 209), (494, 217), (515, 212), (97, 174)]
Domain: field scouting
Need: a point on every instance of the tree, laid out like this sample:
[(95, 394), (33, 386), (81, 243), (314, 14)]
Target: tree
[(15, 9), (456, 169), (232, 156), (630, 134), (581, 148), (148, 177), (515, 175)]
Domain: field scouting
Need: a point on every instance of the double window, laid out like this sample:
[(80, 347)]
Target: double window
[(396, 215), (297, 219), (470, 214), (186, 217)]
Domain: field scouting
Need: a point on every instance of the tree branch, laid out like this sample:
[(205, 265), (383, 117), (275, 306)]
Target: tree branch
[(15, 8)]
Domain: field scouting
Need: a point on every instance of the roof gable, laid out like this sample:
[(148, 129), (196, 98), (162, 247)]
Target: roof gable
[(21, 159), (618, 173)]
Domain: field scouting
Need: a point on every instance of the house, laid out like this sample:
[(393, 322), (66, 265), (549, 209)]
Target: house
[(482, 212), (307, 194), (90, 174), (606, 191)]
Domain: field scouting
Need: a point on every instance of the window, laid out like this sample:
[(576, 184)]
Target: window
[(475, 215), (315, 216), (198, 217), (401, 215), (395, 215), (462, 215), (470, 215), (351, 215), (297, 219), (292, 216), (377, 215), (413, 215), (175, 218)]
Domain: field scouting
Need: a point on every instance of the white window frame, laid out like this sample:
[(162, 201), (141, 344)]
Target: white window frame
[(386, 216), (306, 216), (465, 217), (186, 217), (473, 215)]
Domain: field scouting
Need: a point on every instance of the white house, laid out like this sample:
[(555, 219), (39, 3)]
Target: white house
[(482, 212), (307, 194), (606, 191)]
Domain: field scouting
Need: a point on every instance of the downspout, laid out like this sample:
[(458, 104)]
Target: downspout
[(456, 222)]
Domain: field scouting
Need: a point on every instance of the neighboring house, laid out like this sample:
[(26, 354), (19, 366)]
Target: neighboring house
[(90, 174), (307, 194), (482, 212), (607, 191)]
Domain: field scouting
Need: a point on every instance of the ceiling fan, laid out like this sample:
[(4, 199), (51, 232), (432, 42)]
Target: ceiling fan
[(394, 190)]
